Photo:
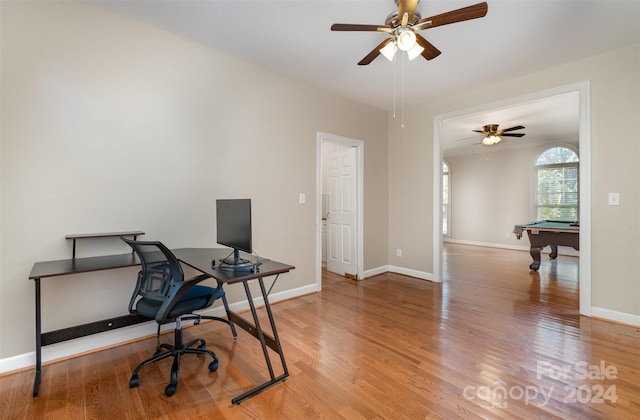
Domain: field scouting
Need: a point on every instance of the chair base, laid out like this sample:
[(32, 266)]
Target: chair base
[(176, 351)]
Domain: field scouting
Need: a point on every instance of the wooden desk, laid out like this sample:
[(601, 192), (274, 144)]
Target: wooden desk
[(197, 258), (201, 260)]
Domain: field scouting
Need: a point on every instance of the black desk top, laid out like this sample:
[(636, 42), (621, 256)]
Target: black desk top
[(198, 258), (201, 258)]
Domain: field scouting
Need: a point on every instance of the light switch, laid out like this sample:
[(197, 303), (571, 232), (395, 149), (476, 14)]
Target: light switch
[(614, 199), (303, 198)]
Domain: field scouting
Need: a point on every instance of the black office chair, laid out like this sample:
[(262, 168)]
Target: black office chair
[(163, 294)]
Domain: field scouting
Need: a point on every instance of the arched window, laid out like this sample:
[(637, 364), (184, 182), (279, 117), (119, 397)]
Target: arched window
[(445, 198), (556, 174)]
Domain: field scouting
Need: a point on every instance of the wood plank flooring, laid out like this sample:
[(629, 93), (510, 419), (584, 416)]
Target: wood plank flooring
[(493, 341)]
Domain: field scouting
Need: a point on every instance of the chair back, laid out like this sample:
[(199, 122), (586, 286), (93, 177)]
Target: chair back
[(160, 270)]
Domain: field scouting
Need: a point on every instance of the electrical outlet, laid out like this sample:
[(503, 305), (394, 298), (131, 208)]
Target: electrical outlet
[(398, 252)]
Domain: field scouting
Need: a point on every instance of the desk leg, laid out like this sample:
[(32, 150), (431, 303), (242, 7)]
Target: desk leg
[(261, 336), (36, 381), (273, 326), (259, 329)]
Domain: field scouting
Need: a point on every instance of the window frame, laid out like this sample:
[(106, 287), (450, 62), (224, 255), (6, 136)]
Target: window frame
[(535, 170)]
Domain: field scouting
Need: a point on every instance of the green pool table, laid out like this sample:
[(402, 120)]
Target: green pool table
[(549, 232)]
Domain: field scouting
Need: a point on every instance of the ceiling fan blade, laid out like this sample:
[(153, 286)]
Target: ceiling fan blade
[(511, 134), (459, 15), (408, 7), (517, 127), (374, 53), (430, 52), (358, 27)]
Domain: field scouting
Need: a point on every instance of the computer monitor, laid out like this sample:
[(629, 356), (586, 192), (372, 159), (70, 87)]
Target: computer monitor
[(233, 221)]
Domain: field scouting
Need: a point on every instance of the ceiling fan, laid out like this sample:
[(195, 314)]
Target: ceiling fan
[(493, 136), (402, 26)]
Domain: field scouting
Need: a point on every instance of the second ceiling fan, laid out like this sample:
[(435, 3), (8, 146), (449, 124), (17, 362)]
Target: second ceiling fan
[(402, 26), (493, 136)]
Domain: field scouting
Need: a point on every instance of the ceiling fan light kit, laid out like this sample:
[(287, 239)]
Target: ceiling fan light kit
[(402, 27), (491, 140)]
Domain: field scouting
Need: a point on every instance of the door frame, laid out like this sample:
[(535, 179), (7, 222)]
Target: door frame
[(359, 245), (583, 88)]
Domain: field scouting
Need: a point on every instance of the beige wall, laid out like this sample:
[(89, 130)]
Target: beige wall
[(615, 105), (109, 124), (496, 187), (493, 187)]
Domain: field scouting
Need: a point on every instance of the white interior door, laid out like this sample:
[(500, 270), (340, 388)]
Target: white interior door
[(341, 220)]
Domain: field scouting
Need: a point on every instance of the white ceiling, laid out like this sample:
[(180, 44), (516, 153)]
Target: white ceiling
[(516, 37), (552, 119)]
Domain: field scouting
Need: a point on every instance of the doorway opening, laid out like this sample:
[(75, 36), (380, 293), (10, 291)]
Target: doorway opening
[(339, 210), (582, 88)]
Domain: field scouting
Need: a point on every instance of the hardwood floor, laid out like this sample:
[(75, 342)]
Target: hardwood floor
[(494, 341)]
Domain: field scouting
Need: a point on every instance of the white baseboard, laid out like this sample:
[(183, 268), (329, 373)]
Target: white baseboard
[(107, 339), (375, 271), (562, 250), (400, 270), (610, 315), (410, 272)]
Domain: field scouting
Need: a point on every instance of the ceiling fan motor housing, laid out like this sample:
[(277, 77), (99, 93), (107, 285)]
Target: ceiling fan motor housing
[(394, 21), (490, 128)]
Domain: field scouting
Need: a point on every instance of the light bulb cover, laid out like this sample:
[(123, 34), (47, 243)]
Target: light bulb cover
[(389, 50), (406, 40), (415, 51)]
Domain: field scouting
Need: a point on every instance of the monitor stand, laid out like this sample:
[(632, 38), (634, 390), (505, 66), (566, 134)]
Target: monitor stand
[(235, 261)]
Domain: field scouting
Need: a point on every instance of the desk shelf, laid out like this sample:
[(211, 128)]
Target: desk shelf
[(74, 237)]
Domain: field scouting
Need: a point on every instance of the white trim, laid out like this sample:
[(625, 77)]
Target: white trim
[(448, 234), (585, 198), (412, 273), (437, 200), (359, 145), (399, 270), (375, 271), (97, 342), (610, 315), (585, 178)]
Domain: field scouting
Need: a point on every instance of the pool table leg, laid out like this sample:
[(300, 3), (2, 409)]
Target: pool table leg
[(554, 252), (535, 254)]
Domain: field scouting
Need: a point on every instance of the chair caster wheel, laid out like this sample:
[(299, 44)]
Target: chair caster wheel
[(213, 366), (134, 381), (170, 390)]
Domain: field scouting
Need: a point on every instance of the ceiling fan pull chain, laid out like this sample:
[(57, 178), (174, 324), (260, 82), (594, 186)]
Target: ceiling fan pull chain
[(402, 87), (393, 64)]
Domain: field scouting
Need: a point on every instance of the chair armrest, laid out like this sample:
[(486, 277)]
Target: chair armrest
[(176, 291)]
